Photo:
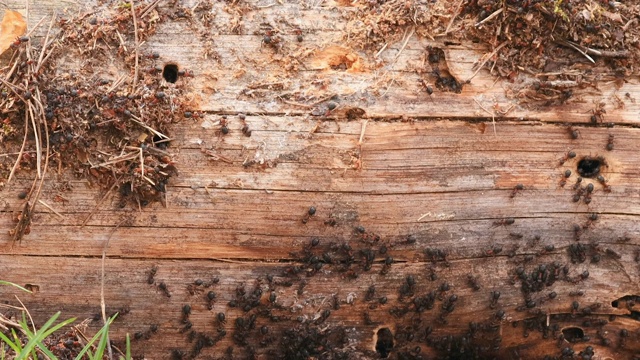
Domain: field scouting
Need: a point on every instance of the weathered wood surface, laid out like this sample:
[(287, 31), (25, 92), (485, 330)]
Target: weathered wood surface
[(441, 175)]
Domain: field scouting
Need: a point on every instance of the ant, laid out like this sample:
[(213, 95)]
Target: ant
[(473, 281), (577, 184), (370, 294), (567, 156), (602, 181), (185, 73), (444, 287), (547, 250), (609, 146), (336, 302), (153, 70), (387, 265), (324, 315), (577, 231), (222, 319), (574, 306), (211, 297), (504, 222), (495, 295), (245, 128), (271, 39), (186, 311), (433, 54), (427, 87), (565, 176), (494, 251), (516, 189), (224, 125), (591, 219), (19, 40), (152, 274), (301, 286), (598, 113), (163, 287), (573, 132)]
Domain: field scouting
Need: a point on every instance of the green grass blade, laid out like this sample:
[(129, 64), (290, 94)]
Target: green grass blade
[(86, 349), (104, 331), (127, 354), (128, 351), (17, 340), (57, 327), (31, 344), (46, 351), (2, 282), (44, 332), (25, 327), (102, 345), (11, 344)]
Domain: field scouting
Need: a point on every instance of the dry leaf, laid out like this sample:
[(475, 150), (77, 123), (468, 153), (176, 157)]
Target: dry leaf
[(12, 27)]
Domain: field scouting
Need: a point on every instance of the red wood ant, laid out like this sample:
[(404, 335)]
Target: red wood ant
[(573, 133), (153, 55), (592, 218), (224, 129), (504, 222), (185, 73), (609, 146), (567, 156), (602, 181), (516, 189), (19, 40), (598, 113)]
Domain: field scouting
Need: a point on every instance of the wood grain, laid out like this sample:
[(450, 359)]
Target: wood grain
[(421, 172)]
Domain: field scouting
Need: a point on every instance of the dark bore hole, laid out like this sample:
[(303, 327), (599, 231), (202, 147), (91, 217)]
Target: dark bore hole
[(590, 167), (125, 189), (160, 142), (384, 345), (170, 73), (627, 301), (573, 334)]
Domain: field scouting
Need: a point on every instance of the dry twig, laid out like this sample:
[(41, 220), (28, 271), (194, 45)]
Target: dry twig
[(102, 302), (137, 45), (487, 58), (456, 12)]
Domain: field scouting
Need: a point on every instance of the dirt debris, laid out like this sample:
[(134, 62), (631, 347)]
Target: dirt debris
[(566, 44), (109, 124)]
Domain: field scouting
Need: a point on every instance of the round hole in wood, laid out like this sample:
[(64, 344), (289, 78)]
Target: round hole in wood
[(170, 73), (384, 342), (589, 167), (160, 142), (573, 334)]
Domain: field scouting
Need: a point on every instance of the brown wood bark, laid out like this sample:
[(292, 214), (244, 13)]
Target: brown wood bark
[(425, 173)]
